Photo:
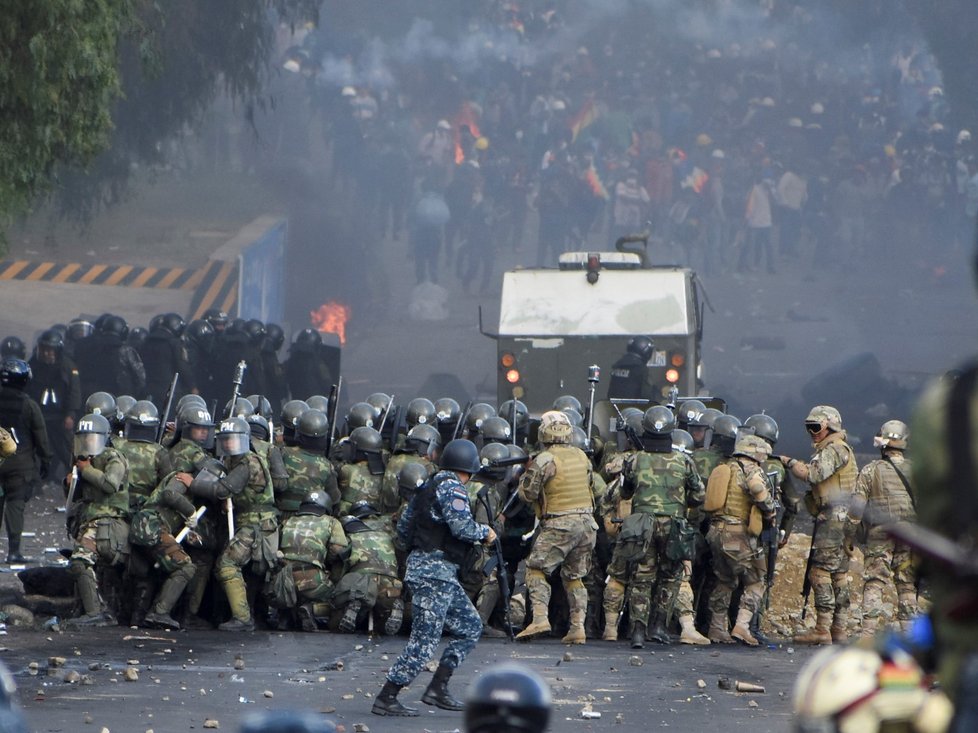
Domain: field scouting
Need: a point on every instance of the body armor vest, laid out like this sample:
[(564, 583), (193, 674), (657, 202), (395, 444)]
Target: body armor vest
[(837, 489), (569, 490), (431, 534)]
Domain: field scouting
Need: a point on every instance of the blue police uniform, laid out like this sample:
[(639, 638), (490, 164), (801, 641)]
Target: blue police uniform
[(439, 528)]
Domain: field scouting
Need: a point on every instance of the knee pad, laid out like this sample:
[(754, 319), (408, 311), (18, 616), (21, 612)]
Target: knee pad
[(571, 585), (535, 576), (614, 586), (225, 573)]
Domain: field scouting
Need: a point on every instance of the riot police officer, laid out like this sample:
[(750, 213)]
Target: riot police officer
[(628, 374)]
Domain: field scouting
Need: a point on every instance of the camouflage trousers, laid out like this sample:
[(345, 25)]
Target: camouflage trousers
[(565, 542), (311, 583), (888, 564), (437, 607), (654, 580), (684, 599), (736, 559), (378, 594)]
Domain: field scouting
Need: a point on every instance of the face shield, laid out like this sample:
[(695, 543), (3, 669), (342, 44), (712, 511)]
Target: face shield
[(233, 444), (89, 444)]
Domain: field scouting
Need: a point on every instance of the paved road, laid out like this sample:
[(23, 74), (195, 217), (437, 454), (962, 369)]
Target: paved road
[(186, 678)]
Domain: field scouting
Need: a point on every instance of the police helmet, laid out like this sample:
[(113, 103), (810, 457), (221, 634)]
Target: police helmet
[(91, 435), (318, 402), (522, 414), (289, 418), (101, 403), (893, 434), (460, 455), (190, 399), (365, 440), (123, 403), (823, 416), (423, 439), (726, 426), (765, 427), (361, 415), (379, 401), (682, 441), (495, 430), (490, 453), (574, 416), (113, 325), (410, 478), (363, 509), (217, 318), (15, 373), (565, 401), (447, 411), (658, 420), (642, 347), (854, 690), (193, 416), (507, 698), (261, 404), (274, 338), (51, 339), (312, 430), (142, 421), (753, 447), (137, 336), (420, 411), (78, 329), (478, 414), (196, 415), (242, 408), (578, 438), (259, 427), (13, 346), (173, 323), (255, 330), (634, 419), (201, 333), (316, 502), (233, 437), (690, 414), (307, 340), (710, 415)]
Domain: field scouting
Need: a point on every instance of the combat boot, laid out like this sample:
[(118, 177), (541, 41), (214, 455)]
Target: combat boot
[(491, 632), (307, 619), (160, 621), (348, 623), (689, 633), (13, 551), (393, 623), (610, 628), (840, 634), (90, 620), (638, 635), (437, 693), (741, 629), (659, 632), (577, 600), (718, 633), (820, 634), (237, 624), (386, 703), (237, 593), (539, 627)]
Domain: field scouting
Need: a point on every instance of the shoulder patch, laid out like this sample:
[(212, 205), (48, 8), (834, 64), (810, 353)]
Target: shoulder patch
[(459, 504)]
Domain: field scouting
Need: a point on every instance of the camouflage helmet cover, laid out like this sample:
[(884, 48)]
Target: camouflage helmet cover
[(827, 416)]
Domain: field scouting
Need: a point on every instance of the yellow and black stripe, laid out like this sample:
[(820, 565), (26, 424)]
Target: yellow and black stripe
[(214, 285)]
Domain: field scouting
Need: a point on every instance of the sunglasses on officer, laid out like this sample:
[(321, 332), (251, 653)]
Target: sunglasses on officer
[(813, 427)]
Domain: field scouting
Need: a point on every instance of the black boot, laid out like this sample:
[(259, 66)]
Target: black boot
[(659, 633), (437, 693), (386, 703), (13, 551), (638, 635)]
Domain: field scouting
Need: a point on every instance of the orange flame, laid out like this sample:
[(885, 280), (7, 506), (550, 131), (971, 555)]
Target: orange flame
[(331, 317)]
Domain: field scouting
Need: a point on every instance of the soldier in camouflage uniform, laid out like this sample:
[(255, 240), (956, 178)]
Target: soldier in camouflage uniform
[(307, 466), (831, 474), (362, 475), (662, 484), (883, 495), (261, 443), (255, 540), (195, 429), (167, 511), (559, 485), (438, 527), (100, 507), (738, 507), (370, 583), (311, 542), (420, 445)]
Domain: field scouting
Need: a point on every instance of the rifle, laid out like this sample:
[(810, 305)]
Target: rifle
[(333, 405), (770, 537), (629, 431), (166, 410), (498, 563), (593, 377), (806, 586)]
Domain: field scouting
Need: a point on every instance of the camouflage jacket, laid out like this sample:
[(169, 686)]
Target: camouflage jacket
[(664, 484), (149, 463), (312, 539), (250, 485), (308, 471), (103, 487), (171, 501), (185, 454), (371, 546), (276, 466), (706, 459), (356, 483)]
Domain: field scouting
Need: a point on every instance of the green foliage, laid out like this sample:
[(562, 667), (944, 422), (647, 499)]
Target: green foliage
[(58, 78)]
